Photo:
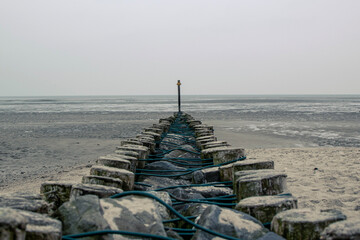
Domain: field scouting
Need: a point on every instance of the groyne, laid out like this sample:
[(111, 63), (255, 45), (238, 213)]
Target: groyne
[(175, 180)]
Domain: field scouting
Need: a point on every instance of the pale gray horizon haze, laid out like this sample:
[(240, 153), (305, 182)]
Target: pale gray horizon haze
[(93, 47)]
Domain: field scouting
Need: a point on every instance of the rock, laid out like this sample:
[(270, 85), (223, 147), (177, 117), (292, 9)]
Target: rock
[(56, 192), (159, 182), (228, 222), (271, 236), (264, 208), (171, 141), (259, 183), (192, 210), (126, 176), (206, 175), (163, 211), (116, 162), (304, 223), (28, 202), (222, 155), (98, 190), (20, 224), (41, 227), (12, 224), (348, 229), (186, 152), (174, 235), (133, 213), (82, 214), (106, 181), (164, 165), (227, 171)]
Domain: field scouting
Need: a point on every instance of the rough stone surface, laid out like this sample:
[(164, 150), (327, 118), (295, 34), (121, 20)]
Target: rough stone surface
[(264, 208), (183, 153), (127, 153), (253, 164), (106, 181), (126, 176), (41, 227), (342, 230), (20, 224), (98, 190), (133, 213), (12, 224), (259, 183), (116, 162), (28, 202), (131, 142), (56, 192), (223, 154), (82, 214), (229, 222), (142, 150), (304, 223), (214, 144), (156, 136), (206, 175)]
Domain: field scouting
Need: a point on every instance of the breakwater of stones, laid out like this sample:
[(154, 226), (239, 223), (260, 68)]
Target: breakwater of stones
[(175, 180)]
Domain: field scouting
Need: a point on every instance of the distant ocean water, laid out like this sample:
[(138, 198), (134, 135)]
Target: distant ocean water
[(324, 119)]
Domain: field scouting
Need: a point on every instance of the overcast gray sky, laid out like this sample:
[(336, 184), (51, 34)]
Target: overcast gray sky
[(116, 47)]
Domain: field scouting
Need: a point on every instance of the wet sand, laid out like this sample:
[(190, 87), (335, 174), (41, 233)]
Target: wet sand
[(321, 177)]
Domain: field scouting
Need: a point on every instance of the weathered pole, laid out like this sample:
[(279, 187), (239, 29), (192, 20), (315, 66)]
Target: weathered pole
[(179, 99)]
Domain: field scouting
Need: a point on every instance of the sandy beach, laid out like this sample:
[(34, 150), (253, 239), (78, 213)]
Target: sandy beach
[(320, 177)]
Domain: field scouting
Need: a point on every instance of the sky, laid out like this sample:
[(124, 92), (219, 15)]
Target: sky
[(133, 47)]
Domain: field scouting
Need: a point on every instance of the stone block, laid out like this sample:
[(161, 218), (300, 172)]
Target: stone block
[(98, 190), (41, 227), (56, 192), (227, 171), (214, 144), (126, 176), (153, 129), (304, 224), (131, 142), (348, 229), (141, 150), (264, 208), (156, 136), (20, 225), (193, 123), (222, 155), (128, 153), (206, 175), (12, 224), (28, 202), (105, 181), (259, 183), (116, 162), (204, 134)]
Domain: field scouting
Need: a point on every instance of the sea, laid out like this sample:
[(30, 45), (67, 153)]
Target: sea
[(325, 120)]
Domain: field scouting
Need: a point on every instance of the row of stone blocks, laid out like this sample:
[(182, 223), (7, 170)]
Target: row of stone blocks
[(27, 216), (261, 191)]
